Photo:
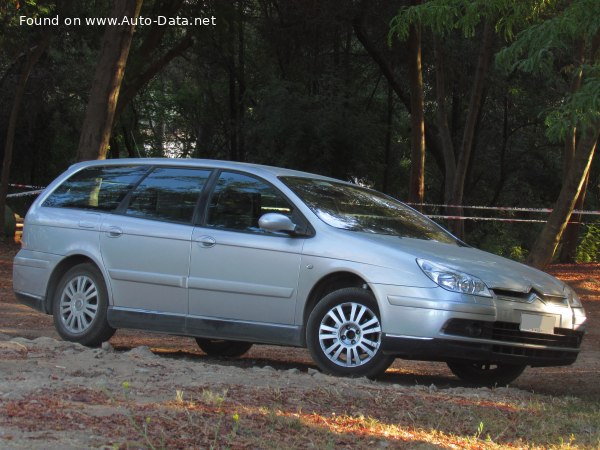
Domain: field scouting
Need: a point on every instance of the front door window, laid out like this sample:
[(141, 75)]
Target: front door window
[(238, 201)]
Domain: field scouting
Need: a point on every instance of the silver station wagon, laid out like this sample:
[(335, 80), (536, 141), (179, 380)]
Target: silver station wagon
[(238, 254)]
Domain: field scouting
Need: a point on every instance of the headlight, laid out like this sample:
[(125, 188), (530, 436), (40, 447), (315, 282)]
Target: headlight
[(573, 298), (453, 280)]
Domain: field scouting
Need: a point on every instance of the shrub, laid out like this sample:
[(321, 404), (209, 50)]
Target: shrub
[(588, 249)]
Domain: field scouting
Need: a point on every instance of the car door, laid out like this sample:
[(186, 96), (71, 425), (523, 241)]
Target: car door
[(146, 248), (238, 271)]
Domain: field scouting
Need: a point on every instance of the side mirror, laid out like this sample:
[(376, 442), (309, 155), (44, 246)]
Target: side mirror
[(277, 223)]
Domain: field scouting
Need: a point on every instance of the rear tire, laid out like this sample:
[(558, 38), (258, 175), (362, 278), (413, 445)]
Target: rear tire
[(220, 347), (80, 305), (486, 374), (343, 334)]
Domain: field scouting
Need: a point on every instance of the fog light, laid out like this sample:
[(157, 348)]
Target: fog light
[(474, 330)]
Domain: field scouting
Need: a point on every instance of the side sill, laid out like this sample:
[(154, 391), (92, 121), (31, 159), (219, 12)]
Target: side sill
[(146, 320), (195, 326), (33, 301)]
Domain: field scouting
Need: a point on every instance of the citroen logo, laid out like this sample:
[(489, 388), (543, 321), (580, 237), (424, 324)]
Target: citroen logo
[(533, 297)]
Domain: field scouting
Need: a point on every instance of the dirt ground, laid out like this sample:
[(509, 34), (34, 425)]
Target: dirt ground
[(33, 361)]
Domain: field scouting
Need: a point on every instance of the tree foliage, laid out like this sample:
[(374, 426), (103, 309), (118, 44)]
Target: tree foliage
[(443, 17), (546, 46)]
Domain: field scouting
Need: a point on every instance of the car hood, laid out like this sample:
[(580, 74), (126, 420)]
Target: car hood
[(495, 271)]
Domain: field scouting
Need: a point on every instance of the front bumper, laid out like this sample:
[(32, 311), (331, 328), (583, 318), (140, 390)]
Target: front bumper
[(432, 324)]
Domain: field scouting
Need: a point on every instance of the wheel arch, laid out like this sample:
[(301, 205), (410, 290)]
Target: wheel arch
[(61, 268), (328, 284)]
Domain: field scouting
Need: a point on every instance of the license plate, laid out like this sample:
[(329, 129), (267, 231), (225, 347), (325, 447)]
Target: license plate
[(536, 323)]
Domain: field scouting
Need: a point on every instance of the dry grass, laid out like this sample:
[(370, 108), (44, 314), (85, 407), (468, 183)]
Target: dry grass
[(384, 417)]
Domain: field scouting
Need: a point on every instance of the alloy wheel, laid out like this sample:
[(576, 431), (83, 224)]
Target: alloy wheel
[(79, 304), (350, 334)]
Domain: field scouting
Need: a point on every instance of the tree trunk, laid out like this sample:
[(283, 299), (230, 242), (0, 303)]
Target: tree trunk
[(475, 105), (387, 171), (545, 245), (129, 145), (106, 84), (387, 71), (442, 121), (570, 236), (380, 60), (32, 58), (569, 240), (233, 128), (416, 191), (138, 80), (140, 67), (503, 150), (242, 85)]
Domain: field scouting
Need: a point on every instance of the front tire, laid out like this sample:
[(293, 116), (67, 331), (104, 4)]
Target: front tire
[(486, 374), (80, 304), (220, 347), (344, 334)]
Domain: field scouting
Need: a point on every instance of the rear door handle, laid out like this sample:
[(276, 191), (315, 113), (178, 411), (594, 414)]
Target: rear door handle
[(206, 241), (114, 232), (87, 224), (90, 221)]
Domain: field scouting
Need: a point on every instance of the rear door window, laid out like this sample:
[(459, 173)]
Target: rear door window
[(98, 188), (169, 194)]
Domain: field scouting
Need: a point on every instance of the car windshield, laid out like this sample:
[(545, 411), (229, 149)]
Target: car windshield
[(355, 208)]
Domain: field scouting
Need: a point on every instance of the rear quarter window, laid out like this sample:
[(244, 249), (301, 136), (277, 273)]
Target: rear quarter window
[(96, 188)]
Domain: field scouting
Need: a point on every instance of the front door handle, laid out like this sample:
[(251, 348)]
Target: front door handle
[(206, 241)]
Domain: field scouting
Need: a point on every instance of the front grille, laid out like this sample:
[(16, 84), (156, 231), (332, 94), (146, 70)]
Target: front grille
[(510, 333), (530, 297), (511, 296)]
